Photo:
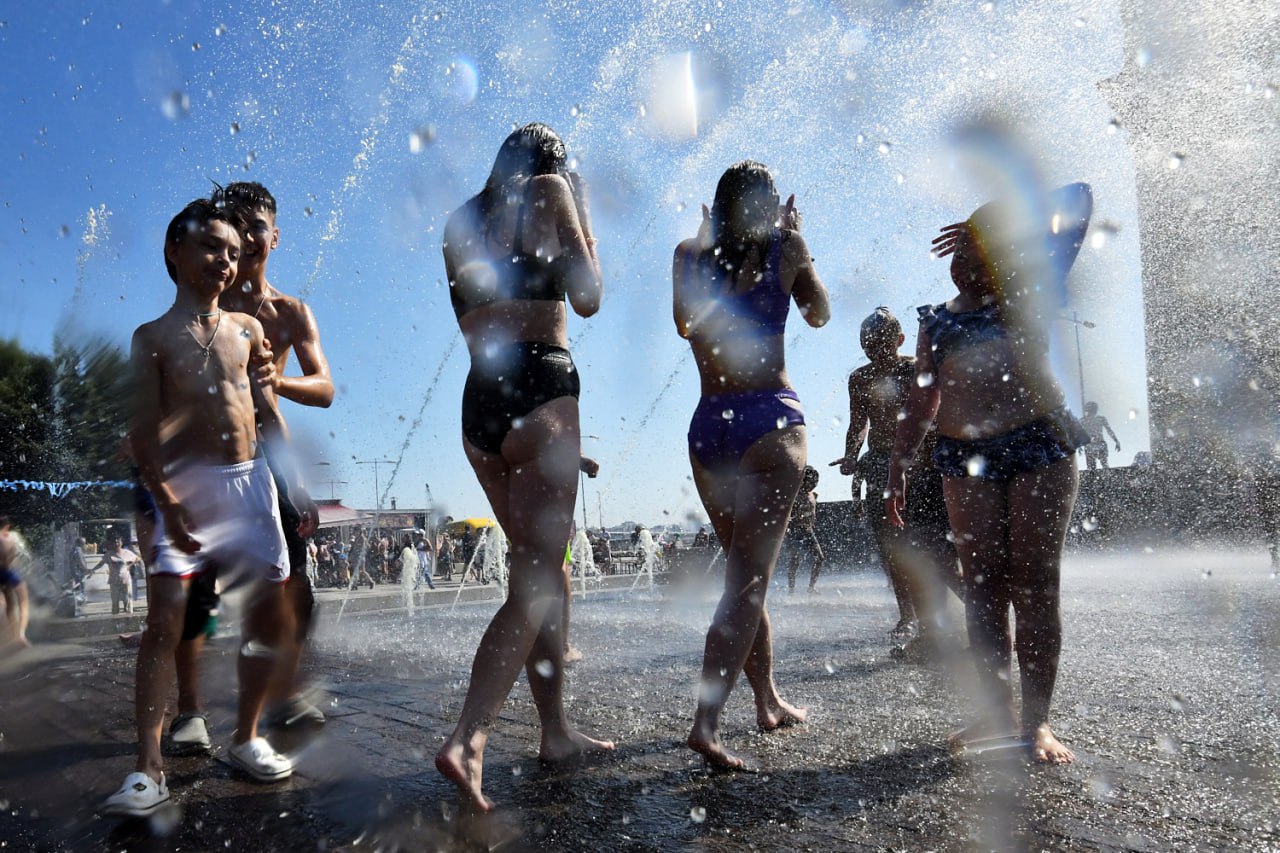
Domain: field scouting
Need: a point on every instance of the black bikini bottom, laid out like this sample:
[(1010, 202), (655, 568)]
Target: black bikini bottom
[(507, 385)]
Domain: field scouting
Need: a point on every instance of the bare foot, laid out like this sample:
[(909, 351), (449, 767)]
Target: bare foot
[(714, 753), (572, 655), (464, 768), (779, 714), (568, 745), (1047, 749)]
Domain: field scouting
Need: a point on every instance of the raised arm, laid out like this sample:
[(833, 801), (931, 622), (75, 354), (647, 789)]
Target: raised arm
[(315, 386), (918, 414), (808, 291), (564, 203)]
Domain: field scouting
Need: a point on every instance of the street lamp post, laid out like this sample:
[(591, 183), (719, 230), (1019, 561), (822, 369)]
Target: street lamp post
[(1075, 320), (377, 494), (330, 482)]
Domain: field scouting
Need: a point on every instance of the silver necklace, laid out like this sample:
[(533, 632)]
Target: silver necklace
[(207, 349)]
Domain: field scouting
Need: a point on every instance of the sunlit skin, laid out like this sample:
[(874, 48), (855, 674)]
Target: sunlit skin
[(748, 506), (180, 422), (15, 597), (288, 325), (874, 406), (532, 483), (1009, 533)]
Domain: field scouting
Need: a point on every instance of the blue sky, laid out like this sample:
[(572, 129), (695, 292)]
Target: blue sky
[(371, 124)]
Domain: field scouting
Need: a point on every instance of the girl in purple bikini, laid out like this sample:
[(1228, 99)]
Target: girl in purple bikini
[(734, 285)]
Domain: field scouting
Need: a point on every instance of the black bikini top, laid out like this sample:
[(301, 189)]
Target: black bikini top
[(519, 275), (950, 332)]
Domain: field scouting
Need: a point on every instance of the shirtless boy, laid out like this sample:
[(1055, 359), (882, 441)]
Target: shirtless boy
[(195, 440), (918, 560), (289, 326)]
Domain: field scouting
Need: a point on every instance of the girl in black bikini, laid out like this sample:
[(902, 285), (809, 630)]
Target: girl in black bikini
[(512, 254), (1006, 446)]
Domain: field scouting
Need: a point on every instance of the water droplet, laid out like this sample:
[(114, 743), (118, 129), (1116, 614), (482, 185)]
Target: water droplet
[(884, 147), (924, 380), (64, 231), (1269, 91), (727, 414), (1100, 787), (235, 128), (1080, 22), (1133, 414), (1006, 377), (195, 46), (421, 138), (860, 139), (1168, 744), (976, 465), (1177, 703), (698, 814), (1195, 380), (1175, 160), (1142, 58), (1090, 524), (1205, 574), (1113, 127), (213, 389), (226, 436), (176, 105), (576, 110), (829, 667), (680, 207), (900, 178), (781, 422), (987, 7), (706, 28), (306, 211), (516, 770), (545, 668)]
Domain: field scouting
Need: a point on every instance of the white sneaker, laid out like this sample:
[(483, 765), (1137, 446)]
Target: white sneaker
[(189, 734), (139, 796), (257, 758)]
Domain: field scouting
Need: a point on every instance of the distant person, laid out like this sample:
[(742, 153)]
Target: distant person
[(1006, 446), (513, 253), (702, 539), (120, 564), (16, 605), (445, 557), (424, 562), (918, 559), (1095, 452), (733, 287), (802, 539), (591, 468), (200, 459)]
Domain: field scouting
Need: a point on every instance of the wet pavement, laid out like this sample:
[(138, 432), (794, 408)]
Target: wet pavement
[(1167, 693)]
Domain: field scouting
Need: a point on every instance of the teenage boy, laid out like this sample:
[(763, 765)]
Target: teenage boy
[(197, 417)]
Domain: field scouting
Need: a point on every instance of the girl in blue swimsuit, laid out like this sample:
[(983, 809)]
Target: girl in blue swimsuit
[(734, 284)]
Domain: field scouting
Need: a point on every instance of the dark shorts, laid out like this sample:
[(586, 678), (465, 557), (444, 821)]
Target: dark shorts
[(509, 385), (9, 577), (724, 426), (1035, 445), (802, 542)]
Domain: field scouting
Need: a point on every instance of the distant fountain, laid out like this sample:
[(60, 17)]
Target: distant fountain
[(650, 554), (491, 554), (582, 560)]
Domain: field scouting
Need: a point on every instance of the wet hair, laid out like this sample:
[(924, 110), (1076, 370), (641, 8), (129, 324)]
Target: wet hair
[(809, 480), (744, 215), (194, 216), (247, 195), (880, 328), (527, 152), (1090, 408)]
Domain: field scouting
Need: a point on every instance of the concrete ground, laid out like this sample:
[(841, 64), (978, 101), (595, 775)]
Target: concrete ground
[(1170, 670)]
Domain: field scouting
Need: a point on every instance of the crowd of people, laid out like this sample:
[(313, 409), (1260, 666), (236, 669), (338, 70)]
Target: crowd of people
[(969, 468)]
